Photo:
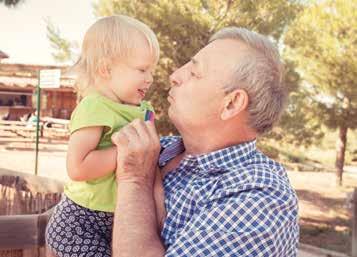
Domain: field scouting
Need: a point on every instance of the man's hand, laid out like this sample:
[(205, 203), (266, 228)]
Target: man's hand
[(138, 148), (135, 231)]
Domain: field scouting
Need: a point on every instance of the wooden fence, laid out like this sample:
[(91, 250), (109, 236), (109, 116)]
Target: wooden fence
[(23, 235), (26, 203), (49, 128)]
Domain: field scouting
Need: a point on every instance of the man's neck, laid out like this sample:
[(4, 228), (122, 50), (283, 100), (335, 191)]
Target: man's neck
[(205, 141)]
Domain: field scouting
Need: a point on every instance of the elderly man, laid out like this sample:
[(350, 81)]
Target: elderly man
[(223, 197)]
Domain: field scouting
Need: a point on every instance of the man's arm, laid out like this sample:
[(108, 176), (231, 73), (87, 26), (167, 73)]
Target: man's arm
[(135, 232)]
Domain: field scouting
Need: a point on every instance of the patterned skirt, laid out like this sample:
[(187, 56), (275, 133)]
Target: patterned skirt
[(75, 231)]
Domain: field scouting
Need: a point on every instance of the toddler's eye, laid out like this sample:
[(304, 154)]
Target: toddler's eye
[(142, 70)]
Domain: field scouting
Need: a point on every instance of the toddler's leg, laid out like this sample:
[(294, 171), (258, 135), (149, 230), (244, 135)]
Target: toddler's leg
[(73, 231)]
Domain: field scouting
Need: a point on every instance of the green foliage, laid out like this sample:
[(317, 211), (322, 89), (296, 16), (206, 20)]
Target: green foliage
[(64, 50), (297, 125), (322, 41), (268, 150), (10, 3)]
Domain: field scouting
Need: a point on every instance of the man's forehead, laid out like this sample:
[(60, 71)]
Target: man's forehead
[(220, 52)]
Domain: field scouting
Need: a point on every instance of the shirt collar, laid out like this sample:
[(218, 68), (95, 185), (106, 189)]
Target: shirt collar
[(225, 158), (221, 159)]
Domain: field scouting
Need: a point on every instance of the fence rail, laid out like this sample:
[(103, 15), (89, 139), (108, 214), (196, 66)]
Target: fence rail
[(26, 203), (23, 231), (49, 128)]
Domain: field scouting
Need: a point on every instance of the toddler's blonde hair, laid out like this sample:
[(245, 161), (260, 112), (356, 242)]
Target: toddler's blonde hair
[(107, 39)]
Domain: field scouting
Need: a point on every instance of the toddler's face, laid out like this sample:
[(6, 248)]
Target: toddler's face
[(131, 78)]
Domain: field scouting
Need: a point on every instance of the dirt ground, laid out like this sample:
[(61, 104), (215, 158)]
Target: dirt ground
[(325, 215), (325, 210)]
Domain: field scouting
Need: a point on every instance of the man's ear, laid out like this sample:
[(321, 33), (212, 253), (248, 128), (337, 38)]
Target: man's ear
[(234, 103), (104, 70)]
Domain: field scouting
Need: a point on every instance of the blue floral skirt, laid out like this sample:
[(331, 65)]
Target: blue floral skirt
[(75, 231)]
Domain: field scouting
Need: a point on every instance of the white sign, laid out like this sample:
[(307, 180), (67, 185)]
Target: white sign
[(50, 78)]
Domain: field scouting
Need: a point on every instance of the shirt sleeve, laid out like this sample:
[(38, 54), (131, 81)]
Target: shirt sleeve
[(145, 105), (90, 112), (248, 223)]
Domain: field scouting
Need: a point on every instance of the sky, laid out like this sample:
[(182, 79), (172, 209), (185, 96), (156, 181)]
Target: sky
[(23, 28)]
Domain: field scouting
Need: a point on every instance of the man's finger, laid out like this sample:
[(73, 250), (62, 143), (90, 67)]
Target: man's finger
[(141, 129), (130, 132), (152, 130), (118, 138)]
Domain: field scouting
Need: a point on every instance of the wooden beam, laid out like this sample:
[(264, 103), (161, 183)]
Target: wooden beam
[(18, 231), (43, 219), (29, 68), (23, 231)]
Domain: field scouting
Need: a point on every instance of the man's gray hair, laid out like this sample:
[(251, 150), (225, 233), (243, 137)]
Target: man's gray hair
[(260, 75)]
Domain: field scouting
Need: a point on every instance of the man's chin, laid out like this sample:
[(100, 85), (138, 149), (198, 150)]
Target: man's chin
[(171, 114)]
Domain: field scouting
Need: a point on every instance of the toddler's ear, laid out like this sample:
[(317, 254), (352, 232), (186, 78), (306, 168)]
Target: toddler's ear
[(104, 70)]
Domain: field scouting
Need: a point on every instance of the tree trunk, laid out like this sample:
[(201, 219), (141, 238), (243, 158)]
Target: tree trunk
[(340, 153)]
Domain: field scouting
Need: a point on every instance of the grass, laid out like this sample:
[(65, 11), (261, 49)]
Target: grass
[(319, 157)]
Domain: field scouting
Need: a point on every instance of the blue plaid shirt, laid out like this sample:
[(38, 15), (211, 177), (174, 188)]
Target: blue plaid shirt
[(230, 202)]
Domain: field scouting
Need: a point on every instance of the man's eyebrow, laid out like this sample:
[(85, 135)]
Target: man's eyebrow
[(194, 61), (198, 65)]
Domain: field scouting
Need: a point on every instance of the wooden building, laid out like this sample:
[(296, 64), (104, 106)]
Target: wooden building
[(18, 84), (3, 55)]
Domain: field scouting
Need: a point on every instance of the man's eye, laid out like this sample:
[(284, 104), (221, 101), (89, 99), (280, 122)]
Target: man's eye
[(195, 75)]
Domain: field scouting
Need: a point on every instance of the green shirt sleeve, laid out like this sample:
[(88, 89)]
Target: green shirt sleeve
[(145, 105), (90, 112)]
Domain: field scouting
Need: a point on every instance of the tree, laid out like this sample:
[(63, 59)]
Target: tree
[(297, 125), (322, 41), (10, 3), (64, 50), (184, 26)]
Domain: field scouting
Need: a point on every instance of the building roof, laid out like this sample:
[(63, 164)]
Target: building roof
[(3, 55), (25, 75)]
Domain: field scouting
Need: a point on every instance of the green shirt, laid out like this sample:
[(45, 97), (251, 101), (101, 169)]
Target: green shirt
[(97, 110)]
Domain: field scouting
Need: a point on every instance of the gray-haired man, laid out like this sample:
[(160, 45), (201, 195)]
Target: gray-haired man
[(222, 196)]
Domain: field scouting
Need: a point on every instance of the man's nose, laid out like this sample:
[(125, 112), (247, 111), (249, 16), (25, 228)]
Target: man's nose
[(175, 79), (180, 75)]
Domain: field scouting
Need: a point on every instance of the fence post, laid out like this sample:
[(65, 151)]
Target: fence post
[(354, 223)]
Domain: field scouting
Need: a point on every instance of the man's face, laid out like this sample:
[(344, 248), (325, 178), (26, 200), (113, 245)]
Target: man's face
[(197, 92)]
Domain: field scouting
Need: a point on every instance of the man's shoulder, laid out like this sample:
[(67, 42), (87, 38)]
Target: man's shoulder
[(259, 173), (261, 163)]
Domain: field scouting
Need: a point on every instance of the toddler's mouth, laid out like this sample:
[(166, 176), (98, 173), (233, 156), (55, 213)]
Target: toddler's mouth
[(142, 92)]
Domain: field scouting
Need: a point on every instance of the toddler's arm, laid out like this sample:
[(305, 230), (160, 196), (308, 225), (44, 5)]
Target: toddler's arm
[(84, 162)]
